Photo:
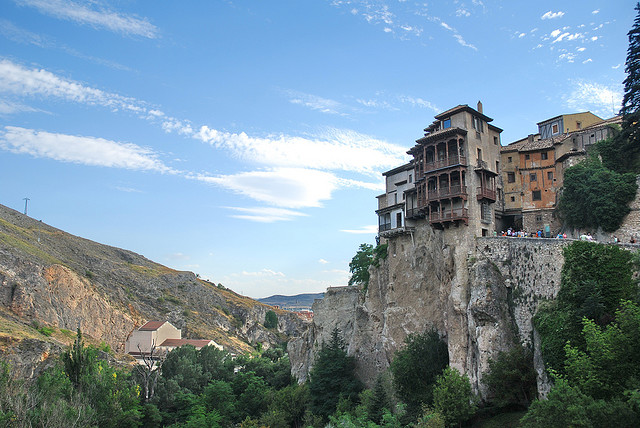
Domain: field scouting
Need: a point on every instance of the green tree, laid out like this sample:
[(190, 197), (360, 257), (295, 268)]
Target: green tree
[(332, 377), (595, 279), (511, 378), (415, 368), (594, 196), (359, 265), (452, 397), (379, 401), (270, 319), (78, 360)]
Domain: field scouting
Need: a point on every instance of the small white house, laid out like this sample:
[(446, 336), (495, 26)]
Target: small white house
[(164, 336)]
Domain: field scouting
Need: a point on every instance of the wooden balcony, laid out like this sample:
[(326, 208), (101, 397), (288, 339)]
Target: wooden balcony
[(443, 163), (449, 215), (448, 192), (383, 227), (413, 212), (486, 193)]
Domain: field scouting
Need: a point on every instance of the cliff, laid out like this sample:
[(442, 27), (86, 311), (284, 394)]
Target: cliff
[(479, 293), (51, 279)]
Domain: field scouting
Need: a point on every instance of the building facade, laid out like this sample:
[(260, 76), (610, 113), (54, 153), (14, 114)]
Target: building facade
[(452, 180)]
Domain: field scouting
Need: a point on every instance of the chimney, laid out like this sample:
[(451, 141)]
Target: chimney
[(530, 138), (479, 107)]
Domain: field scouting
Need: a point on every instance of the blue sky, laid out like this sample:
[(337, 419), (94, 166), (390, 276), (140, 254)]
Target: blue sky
[(244, 140)]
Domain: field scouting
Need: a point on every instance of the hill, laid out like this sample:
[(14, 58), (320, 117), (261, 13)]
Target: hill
[(292, 303), (52, 282)]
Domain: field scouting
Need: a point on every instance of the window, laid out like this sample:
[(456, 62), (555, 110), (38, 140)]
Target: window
[(511, 177), (495, 140), (476, 123), (533, 176), (446, 123), (538, 218), (479, 154), (536, 195), (513, 199), (544, 155), (554, 128), (509, 159), (410, 178), (485, 211), (549, 175), (526, 157), (579, 125), (498, 167), (395, 198)]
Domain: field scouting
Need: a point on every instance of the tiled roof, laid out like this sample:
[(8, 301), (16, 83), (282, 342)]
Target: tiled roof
[(152, 325), (198, 343)]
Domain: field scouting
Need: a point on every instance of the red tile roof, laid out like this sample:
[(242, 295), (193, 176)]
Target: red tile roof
[(198, 343), (152, 326)]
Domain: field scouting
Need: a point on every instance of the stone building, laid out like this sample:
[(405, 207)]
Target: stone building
[(452, 179), (534, 168)]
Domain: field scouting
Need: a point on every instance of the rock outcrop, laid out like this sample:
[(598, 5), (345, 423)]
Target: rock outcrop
[(480, 294)]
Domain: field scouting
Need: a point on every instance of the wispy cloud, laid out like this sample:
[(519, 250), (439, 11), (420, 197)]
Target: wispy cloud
[(552, 15), (323, 262), (281, 187), (94, 15), (297, 171), (373, 229), (19, 35), (314, 102), (264, 214), (81, 150), (9, 107), (263, 272), (602, 100), (456, 34)]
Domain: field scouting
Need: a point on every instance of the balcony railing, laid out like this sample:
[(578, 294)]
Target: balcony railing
[(443, 163), (447, 192), (486, 193), (383, 227), (412, 212), (449, 215)]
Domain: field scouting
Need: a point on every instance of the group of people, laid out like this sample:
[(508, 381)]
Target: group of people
[(522, 234)]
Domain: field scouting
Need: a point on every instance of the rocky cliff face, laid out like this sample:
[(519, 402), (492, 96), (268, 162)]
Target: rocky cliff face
[(56, 279), (479, 293)]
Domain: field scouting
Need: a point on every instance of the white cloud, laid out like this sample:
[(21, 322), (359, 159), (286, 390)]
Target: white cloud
[(103, 18), (9, 107), (581, 49), (314, 102), (81, 150), (596, 11), (463, 12), (599, 99), (323, 262), (127, 189), (463, 42), (615, 67), (587, 61), (372, 229), (552, 15), (567, 37), (419, 102), (521, 35), (594, 38), (281, 187), (555, 33), (265, 214), (446, 26), (337, 150)]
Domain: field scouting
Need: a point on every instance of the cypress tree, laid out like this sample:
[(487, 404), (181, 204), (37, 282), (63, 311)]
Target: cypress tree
[(630, 135)]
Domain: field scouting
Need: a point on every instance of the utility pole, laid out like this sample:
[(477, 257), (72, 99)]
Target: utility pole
[(26, 201)]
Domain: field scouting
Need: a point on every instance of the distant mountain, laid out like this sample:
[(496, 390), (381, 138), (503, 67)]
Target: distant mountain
[(292, 303)]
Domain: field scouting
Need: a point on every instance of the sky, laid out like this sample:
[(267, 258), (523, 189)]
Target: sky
[(245, 140)]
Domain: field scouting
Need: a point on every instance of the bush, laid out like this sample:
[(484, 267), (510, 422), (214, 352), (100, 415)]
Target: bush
[(452, 397), (511, 379), (271, 319)]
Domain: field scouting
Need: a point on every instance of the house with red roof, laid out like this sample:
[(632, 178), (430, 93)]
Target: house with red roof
[(164, 336)]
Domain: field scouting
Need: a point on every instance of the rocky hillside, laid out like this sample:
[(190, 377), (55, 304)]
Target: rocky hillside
[(52, 282)]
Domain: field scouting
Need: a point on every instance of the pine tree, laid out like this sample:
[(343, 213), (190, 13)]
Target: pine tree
[(332, 377), (630, 135)]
